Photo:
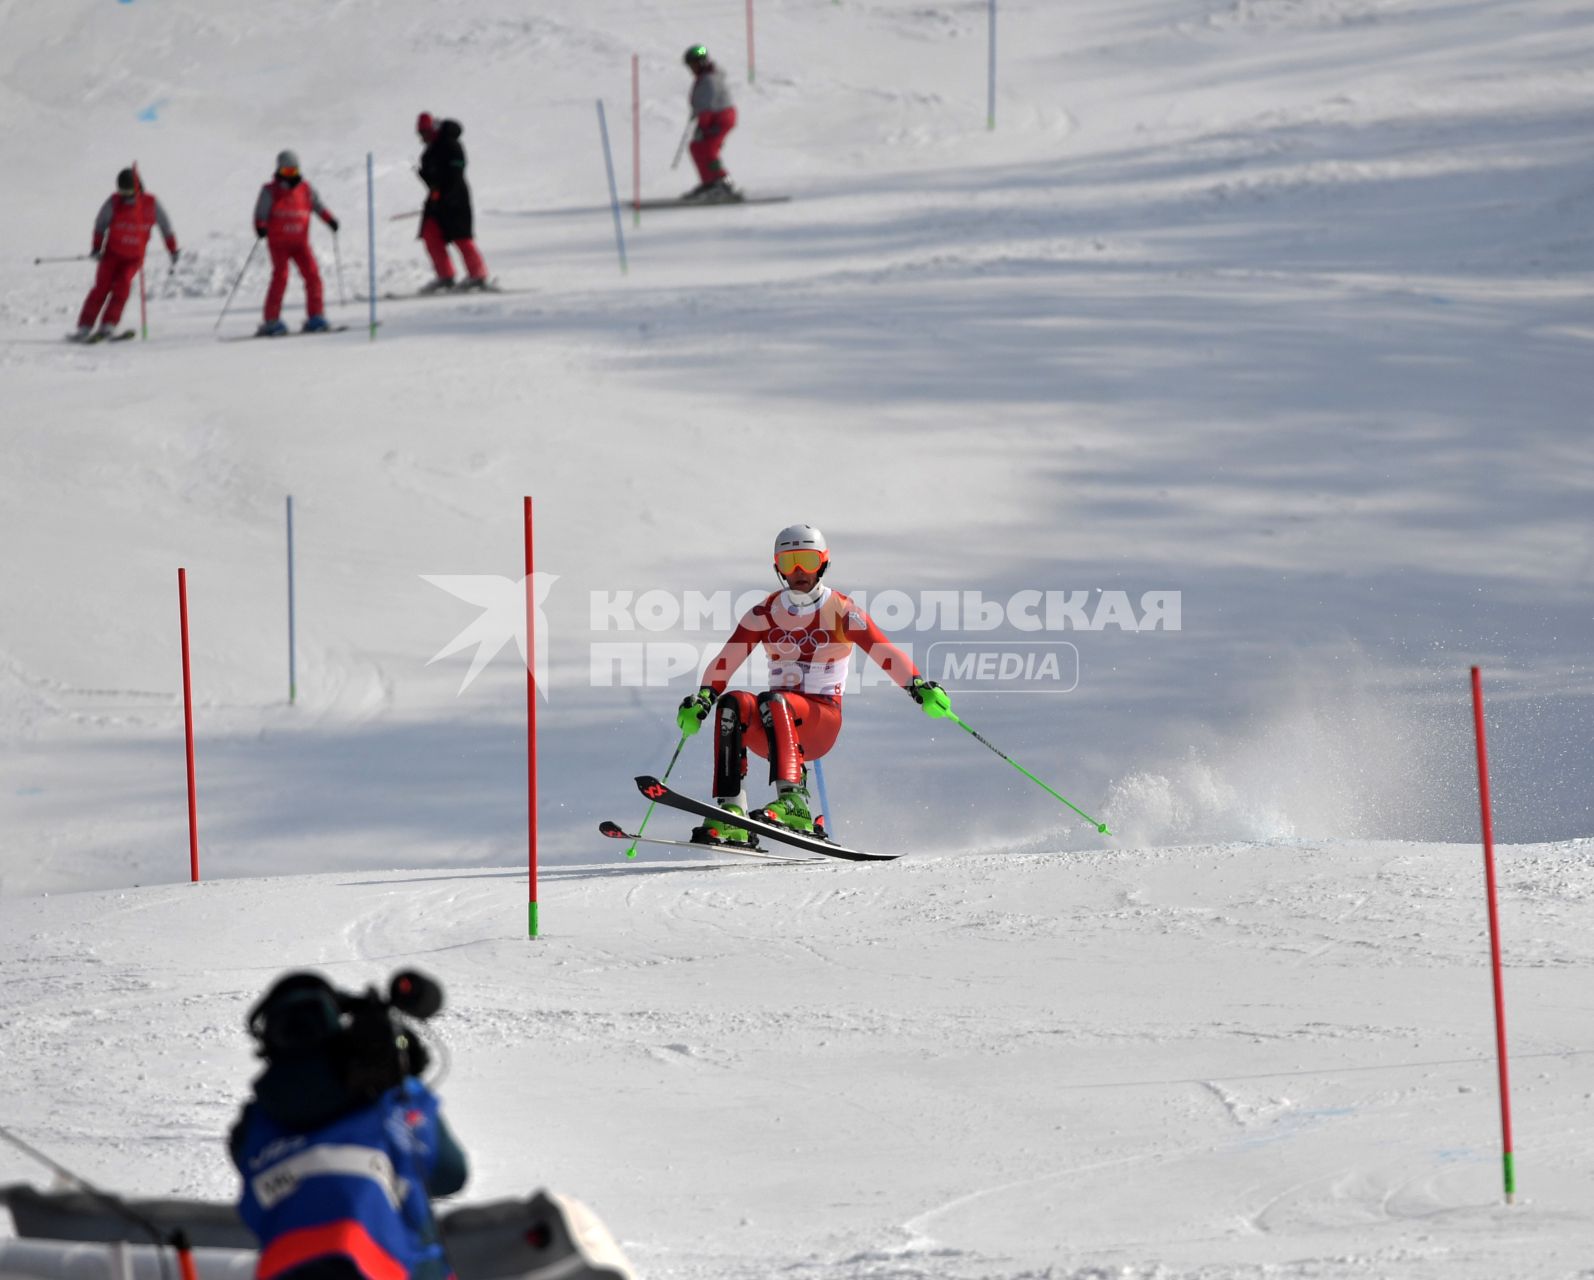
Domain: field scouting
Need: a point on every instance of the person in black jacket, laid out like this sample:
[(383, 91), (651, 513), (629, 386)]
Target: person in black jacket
[(447, 217)]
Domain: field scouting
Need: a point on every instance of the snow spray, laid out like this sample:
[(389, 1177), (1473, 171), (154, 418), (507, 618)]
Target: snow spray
[(1508, 1155), (531, 727), (188, 727)]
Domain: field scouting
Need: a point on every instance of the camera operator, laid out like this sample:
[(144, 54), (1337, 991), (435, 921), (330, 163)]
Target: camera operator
[(341, 1146)]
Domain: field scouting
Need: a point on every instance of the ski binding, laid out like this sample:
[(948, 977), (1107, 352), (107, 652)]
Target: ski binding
[(653, 789)]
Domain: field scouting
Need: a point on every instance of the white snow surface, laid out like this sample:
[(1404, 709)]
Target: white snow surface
[(1283, 305)]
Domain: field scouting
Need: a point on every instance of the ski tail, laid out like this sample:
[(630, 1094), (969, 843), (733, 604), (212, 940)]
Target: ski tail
[(616, 832)]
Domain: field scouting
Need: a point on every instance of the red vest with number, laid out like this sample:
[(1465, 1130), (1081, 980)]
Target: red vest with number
[(131, 222), (290, 214)]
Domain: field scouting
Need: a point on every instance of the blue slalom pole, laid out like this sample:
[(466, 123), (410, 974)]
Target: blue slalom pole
[(824, 799), (370, 231), (614, 191), (293, 677), (990, 104)]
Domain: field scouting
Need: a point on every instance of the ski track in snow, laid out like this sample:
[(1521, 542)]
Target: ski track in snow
[(1136, 1100), (1281, 304)]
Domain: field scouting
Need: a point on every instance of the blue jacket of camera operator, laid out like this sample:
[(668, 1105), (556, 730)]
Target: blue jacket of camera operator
[(338, 1178)]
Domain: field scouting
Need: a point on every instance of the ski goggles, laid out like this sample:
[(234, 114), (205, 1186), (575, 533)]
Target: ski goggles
[(290, 171), (805, 558)]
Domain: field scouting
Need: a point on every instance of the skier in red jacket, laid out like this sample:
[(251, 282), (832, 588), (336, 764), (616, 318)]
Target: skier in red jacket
[(808, 631), (716, 117), (282, 217), (120, 233)]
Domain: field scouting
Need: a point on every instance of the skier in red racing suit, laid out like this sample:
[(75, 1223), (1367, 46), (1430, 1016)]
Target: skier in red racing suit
[(808, 631), (120, 233)]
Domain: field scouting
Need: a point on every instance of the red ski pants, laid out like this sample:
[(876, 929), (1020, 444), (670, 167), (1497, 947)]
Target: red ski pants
[(432, 234), (784, 728), (298, 253), (112, 283), (712, 128)]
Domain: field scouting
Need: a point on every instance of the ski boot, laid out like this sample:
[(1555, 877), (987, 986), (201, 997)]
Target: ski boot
[(790, 809), (85, 333), (440, 285), (478, 284), (315, 324), (271, 329), (103, 334), (697, 192), (721, 192), (718, 831)]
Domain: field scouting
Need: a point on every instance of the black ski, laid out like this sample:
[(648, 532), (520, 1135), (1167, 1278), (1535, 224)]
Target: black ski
[(95, 339), (292, 333), (458, 291), (681, 202), (616, 832), (653, 789)]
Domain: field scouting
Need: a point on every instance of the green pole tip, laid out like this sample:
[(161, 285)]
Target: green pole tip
[(1103, 829), (630, 853)]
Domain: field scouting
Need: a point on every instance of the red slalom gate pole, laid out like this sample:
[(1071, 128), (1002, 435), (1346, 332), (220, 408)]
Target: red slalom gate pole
[(531, 731), (188, 728), (751, 66), (1494, 938), (636, 141)]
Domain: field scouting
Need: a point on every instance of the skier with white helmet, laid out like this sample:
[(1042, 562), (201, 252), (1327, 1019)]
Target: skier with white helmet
[(808, 632)]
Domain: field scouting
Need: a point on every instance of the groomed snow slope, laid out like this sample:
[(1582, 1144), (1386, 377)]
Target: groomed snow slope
[(1236, 1060), (1279, 304), (1282, 306)]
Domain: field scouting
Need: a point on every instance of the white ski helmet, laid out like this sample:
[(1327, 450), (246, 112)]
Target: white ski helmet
[(791, 544)]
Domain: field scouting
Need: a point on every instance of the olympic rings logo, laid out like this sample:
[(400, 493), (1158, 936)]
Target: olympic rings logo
[(787, 645)]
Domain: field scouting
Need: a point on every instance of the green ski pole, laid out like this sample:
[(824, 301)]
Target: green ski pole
[(653, 804), (1100, 826)]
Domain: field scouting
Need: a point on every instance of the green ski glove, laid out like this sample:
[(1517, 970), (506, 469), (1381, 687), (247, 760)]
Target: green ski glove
[(694, 710), (931, 697)]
